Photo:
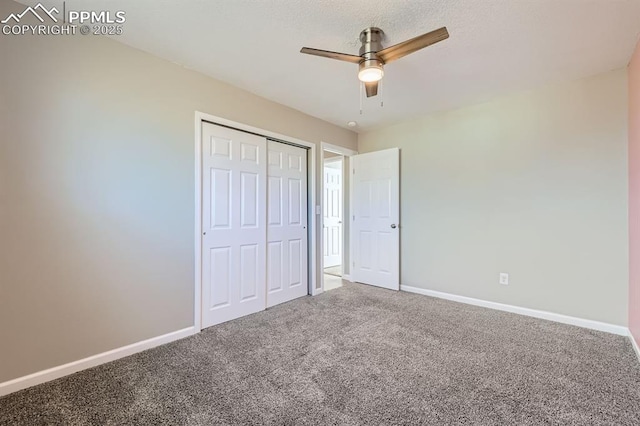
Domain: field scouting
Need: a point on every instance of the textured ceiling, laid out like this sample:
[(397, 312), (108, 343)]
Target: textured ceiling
[(496, 47)]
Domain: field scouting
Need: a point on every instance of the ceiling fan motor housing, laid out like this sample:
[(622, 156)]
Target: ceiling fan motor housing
[(371, 39)]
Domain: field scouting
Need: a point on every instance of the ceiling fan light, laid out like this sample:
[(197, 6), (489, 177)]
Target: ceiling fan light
[(371, 74)]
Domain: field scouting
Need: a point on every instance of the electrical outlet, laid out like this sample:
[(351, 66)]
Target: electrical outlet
[(504, 278)]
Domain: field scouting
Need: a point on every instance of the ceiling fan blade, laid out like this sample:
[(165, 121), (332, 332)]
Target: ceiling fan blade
[(332, 55), (371, 88), (406, 47)]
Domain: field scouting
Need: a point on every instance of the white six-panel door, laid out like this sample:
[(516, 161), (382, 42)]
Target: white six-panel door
[(332, 218), (376, 214), (287, 271), (234, 175)]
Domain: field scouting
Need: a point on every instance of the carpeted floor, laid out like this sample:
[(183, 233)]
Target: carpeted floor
[(356, 355)]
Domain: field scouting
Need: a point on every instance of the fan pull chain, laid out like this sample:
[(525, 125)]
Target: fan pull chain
[(381, 94), (361, 85)]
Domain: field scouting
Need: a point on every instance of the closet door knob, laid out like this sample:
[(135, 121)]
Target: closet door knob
[(393, 226)]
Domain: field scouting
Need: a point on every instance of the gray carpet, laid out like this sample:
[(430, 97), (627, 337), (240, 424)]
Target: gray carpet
[(356, 355)]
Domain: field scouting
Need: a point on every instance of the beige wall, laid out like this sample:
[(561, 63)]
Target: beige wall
[(534, 185), (97, 192), (634, 194)]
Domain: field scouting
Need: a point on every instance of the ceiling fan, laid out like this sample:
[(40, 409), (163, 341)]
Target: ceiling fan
[(373, 56)]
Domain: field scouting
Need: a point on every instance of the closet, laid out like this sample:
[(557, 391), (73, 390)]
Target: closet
[(254, 223)]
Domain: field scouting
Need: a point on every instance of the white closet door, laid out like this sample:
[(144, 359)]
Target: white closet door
[(332, 223), (287, 262), (233, 224), (376, 212)]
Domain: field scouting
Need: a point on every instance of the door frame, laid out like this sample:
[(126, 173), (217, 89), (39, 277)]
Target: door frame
[(346, 214), (201, 117)]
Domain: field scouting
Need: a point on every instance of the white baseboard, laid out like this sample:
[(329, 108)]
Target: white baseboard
[(92, 361), (580, 322), (347, 277), (634, 344)]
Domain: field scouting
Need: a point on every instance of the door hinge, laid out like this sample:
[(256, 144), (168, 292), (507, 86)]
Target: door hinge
[(354, 171)]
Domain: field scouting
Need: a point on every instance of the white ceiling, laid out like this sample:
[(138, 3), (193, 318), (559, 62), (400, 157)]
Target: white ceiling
[(496, 47)]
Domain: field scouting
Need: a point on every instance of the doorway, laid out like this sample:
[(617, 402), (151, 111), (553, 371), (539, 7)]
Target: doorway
[(332, 218), (335, 214)]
